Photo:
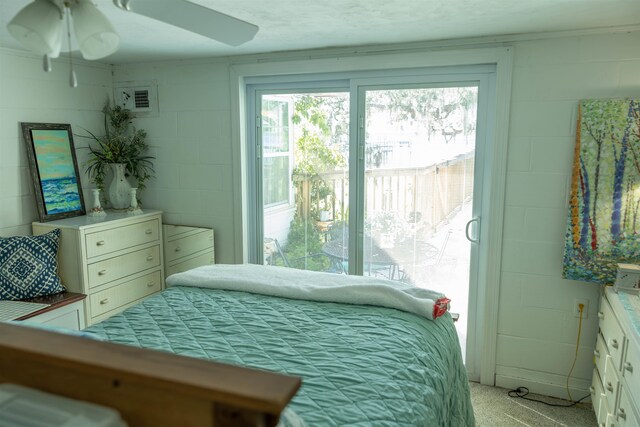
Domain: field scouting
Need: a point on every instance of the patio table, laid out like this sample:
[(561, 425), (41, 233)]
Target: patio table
[(378, 259)]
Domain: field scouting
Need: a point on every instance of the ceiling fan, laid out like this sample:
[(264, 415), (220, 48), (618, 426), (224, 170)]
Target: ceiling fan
[(195, 18), (40, 26)]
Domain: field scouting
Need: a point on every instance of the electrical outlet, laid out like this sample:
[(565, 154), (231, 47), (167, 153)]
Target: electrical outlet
[(576, 308)]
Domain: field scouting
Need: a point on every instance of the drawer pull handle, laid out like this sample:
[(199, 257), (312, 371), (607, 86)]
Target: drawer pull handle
[(102, 272), (628, 366), (104, 301), (100, 243), (150, 258), (621, 414), (600, 315), (177, 249), (150, 285), (609, 387), (592, 389), (614, 343), (148, 231), (596, 353)]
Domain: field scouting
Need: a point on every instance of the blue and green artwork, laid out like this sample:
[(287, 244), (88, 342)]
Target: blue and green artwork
[(60, 189), (604, 208)]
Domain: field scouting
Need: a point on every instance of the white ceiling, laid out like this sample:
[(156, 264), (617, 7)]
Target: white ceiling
[(306, 24)]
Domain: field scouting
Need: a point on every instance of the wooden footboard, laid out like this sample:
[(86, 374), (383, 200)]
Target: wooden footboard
[(147, 387)]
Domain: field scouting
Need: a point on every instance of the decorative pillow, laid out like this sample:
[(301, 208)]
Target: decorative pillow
[(29, 266)]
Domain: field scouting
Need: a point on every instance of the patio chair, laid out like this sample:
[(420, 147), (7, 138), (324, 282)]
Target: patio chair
[(335, 265), (273, 250)]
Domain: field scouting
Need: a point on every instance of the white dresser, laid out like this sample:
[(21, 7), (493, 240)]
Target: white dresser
[(115, 261), (187, 247), (615, 390)]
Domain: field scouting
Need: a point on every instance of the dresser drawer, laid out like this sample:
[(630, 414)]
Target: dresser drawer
[(611, 332), (188, 245), (117, 296), (604, 415), (187, 264), (600, 354), (610, 383), (611, 421), (122, 266), (597, 396), (626, 415), (171, 230), (631, 370), (115, 239)]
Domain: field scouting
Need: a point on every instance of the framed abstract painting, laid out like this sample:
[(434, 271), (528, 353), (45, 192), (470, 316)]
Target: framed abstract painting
[(54, 170)]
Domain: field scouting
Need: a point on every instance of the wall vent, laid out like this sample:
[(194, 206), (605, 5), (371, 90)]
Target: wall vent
[(139, 97)]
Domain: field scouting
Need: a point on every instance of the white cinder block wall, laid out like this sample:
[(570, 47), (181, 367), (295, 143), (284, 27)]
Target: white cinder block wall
[(537, 329), (191, 139), (28, 94), (191, 135)]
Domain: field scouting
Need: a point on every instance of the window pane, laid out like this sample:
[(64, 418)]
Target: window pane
[(311, 232), (275, 180), (419, 172), (275, 126)]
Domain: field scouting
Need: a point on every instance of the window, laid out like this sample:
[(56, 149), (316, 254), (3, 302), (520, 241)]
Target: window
[(276, 143)]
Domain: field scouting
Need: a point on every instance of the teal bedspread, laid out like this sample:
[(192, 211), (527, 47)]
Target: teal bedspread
[(360, 365)]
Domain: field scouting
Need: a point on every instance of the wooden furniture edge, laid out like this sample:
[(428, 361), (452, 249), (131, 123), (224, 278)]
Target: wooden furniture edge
[(148, 387), (56, 301)]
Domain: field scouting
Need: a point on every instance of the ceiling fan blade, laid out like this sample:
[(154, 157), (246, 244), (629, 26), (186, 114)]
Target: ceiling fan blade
[(197, 19)]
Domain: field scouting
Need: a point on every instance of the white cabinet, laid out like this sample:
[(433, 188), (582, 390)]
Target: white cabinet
[(616, 376), (187, 247), (69, 317), (116, 261), (65, 310)]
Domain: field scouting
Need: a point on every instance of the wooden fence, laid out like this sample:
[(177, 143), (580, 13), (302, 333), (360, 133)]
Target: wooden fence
[(429, 194)]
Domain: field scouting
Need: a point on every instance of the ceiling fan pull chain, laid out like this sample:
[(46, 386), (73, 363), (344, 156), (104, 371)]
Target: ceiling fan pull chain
[(73, 80), (46, 63)]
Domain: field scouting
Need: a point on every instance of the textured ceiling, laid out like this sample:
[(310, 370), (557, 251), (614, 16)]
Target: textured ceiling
[(297, 24)]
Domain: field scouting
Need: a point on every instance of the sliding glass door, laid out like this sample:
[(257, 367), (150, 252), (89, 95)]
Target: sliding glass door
[(373, 175), (419, 156)]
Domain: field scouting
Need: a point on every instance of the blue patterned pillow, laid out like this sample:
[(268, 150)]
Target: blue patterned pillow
[(29, 266)]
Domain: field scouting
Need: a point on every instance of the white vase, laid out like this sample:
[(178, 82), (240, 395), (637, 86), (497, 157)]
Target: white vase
[(119, 189), (96, 211), (134, 209)]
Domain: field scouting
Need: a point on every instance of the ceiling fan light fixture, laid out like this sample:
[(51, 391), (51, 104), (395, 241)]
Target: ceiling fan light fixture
[(37, 27), (96, 36), (57, 44)]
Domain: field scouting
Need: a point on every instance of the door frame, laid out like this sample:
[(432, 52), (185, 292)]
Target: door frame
[(278, 68)]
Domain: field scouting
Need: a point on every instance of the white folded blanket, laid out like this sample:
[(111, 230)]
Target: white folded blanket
[(309, 285)]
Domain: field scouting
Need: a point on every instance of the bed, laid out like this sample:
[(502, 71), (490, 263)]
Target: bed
[(361, 365)]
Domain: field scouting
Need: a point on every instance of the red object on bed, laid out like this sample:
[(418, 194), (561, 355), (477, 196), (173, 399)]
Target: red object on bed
[(440, 307)]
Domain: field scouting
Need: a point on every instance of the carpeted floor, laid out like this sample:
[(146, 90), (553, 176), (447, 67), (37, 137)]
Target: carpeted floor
[(493, 408)]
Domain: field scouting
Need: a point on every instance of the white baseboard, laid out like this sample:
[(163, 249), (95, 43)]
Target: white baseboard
[(542, 383)]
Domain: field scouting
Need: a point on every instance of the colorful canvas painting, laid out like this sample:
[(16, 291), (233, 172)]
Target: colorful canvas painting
[(54, 170), (604, 208)]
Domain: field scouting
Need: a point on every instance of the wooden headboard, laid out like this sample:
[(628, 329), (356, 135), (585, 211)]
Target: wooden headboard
[(147, 387)]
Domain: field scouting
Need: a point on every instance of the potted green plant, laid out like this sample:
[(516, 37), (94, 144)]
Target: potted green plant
[(122, 149)]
